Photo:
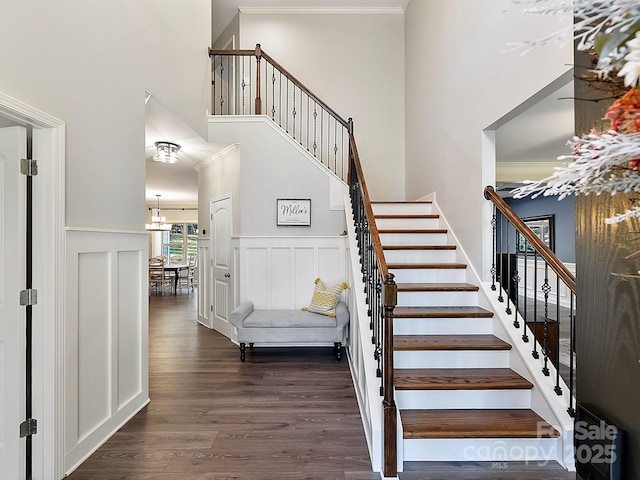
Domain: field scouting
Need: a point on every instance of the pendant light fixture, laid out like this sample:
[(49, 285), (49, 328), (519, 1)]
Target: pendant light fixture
[(167, 152), (158, 222)]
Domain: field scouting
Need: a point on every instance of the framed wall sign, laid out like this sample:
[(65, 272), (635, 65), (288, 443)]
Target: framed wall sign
[(293, 211)]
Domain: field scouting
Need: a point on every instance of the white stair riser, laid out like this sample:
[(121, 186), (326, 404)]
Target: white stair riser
[(429, 275), (413, 238), (482, 450), (447, 399), (427, 299), (451, 359), (420, 256), (407, 223), (442, 326), (402, 208)]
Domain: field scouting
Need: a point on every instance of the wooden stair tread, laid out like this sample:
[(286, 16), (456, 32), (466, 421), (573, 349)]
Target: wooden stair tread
[(437, 287), (475, 423), (459, 379), (451, 266), (412, 230), (448, 342), (441, 312), (402, 202), (418, 247), (407, 215)]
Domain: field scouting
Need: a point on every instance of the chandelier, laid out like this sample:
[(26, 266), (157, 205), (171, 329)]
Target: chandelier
[(158, 222)]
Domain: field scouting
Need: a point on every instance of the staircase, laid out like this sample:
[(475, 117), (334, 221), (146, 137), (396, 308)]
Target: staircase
[(457, 395)]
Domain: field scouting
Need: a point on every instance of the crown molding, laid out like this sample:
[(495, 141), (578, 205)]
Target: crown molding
[(217, 156), (518, 171), (321, 10)]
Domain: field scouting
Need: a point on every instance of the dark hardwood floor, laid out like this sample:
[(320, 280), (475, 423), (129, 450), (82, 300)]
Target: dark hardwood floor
[(287, 414)]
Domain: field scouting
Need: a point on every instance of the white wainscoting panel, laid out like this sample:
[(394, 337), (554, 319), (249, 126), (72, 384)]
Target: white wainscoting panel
[(105, 335), (204, 276), (279, 272)]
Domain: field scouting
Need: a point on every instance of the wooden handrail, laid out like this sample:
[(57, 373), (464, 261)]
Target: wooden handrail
[(375, 236), (545, 252), (302, 87), (213, 52)]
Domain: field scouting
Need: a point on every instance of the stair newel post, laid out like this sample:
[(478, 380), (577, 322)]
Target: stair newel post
[(258, 53), (350, 172), (388, 402)]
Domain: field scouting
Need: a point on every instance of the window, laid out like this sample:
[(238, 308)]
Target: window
[(181, 243)]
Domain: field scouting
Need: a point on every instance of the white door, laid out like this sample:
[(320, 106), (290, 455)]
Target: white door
[(221, 262), (13, 147)]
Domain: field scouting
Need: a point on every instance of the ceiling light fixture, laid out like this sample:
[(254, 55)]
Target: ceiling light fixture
[(167, 152), (158, 222)]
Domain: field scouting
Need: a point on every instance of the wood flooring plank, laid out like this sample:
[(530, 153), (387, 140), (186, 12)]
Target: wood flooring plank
[(212, 417)]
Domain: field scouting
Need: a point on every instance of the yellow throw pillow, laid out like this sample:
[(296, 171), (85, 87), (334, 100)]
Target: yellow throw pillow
[(325, 299)]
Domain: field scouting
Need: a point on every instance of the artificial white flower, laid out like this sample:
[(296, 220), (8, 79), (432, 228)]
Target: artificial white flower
[(631, 69)]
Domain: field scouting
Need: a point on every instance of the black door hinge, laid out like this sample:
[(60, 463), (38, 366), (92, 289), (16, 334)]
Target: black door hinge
[(28, 427)]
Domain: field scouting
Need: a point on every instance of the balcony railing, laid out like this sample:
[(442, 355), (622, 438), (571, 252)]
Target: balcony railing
[(250, 82)]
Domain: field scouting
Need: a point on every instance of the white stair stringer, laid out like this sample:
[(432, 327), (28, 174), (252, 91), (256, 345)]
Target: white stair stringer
[(539, 398)]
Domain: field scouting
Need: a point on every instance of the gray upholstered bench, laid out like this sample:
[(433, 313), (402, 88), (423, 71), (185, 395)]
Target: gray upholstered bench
[(287, 327)]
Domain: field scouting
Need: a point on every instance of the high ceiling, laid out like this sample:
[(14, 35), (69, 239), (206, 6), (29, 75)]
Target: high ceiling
[(537, 134)]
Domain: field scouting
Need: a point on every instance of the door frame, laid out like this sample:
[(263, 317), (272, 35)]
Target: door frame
[(227, 197), (48, 263)]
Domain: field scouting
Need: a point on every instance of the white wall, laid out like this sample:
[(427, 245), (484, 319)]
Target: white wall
[(354, 63), (270, 166), (459, 80), (88, 64)]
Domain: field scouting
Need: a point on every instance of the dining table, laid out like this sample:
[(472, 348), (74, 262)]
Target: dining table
[(174, 270)]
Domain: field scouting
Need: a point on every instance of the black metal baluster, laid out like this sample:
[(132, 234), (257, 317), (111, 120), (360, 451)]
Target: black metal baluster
[(572, 326), (294, 112), (335, 146), (229, 84), (287, 108), (221, 86), (495, 249), (508, 279), (243, 85), (273, 93), (213, 84), (546, 288), (557, 388), (501, 263), (315, 127), (516, 284), (525, 312), (534, 353)]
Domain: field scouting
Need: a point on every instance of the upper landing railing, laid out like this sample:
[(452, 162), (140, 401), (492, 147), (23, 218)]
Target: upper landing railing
[(250, 82)]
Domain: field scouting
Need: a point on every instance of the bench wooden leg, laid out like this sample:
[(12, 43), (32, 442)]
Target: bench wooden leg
[(337, 346), (243, 347)]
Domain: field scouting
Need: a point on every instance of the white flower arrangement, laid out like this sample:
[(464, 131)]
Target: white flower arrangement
[(606, 162)]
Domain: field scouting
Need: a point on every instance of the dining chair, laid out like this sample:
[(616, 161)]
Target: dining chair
[(186, 276), (157, 276)]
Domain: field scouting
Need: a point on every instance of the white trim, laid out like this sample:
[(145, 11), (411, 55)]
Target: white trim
[(107, 230), (49, 233), (217, 156), (276, 128), (518, 171), (321, 10)]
